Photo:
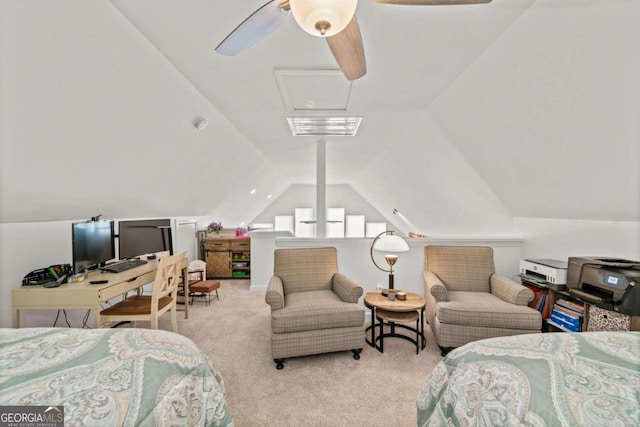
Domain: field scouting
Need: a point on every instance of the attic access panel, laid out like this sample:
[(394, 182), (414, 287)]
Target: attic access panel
[(313, 90)]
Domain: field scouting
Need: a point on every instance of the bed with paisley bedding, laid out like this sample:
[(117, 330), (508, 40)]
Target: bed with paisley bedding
[(112, 377), (550, 379)]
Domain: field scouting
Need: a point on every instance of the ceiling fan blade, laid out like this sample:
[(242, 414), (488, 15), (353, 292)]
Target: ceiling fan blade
[(261, 23), (347, 48), (432, 2)]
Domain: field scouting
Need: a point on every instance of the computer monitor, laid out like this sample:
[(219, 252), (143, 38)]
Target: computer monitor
[(92, 244), (142, 237)]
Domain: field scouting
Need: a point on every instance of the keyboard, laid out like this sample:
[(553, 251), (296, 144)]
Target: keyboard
[(125, 265)]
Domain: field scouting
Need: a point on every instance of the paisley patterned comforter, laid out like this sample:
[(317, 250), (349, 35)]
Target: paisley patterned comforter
[(551, 379), (112, 377)]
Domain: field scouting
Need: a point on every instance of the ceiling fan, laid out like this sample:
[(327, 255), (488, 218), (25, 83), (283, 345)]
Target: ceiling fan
[(331, 19)]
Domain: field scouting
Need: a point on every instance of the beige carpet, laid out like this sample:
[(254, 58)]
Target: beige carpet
[(325, 390)]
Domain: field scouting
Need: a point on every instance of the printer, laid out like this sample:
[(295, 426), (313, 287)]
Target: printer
[(609, 283), (544, 272)]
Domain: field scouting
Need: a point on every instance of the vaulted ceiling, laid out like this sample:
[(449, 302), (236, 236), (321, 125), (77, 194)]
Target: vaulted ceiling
[(472, 115)]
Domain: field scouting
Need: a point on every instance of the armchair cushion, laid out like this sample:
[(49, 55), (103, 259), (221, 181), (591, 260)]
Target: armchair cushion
[(306, 311), (482, 309), (347, 289), (510, 291)]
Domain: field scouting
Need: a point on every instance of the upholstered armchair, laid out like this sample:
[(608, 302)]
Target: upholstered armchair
[(314, 308), (466, 301)]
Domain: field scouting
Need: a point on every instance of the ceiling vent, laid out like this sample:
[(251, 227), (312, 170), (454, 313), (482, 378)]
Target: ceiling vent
[(324, 126)]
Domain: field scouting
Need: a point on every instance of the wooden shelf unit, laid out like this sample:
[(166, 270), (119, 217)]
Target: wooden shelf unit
[(551, 298), (227, 257), (555, 296)]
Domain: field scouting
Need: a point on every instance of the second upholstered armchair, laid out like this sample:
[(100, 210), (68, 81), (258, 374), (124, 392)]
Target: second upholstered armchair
[(466, 301), (314, 308)]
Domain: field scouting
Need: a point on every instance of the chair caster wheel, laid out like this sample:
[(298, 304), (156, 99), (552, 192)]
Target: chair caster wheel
[(279, 363)]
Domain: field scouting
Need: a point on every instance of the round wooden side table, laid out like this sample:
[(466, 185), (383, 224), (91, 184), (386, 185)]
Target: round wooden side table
[(374, 300)]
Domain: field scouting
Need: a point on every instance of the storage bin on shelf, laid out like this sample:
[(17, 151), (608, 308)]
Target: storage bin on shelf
[(605, 320)]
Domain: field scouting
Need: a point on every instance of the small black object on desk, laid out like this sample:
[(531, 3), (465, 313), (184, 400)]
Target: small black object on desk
[(98, 282), (51, 284)]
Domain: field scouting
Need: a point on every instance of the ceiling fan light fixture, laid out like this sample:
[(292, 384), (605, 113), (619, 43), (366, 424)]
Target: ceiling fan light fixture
[(323, 18)]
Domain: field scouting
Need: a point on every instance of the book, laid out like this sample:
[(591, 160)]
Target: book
[(579, 308), (543, 306), (539, 301), (561, 322), (566, 311), (568, 321)]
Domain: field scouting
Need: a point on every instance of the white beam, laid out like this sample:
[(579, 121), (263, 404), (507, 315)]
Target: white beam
[(321, 189)]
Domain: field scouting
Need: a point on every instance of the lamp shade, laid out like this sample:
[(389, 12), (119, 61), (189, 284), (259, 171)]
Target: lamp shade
[(391, 243), (323, 18)]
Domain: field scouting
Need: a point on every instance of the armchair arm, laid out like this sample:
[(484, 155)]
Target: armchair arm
[(510, 291), (347, 289), (275, 293), (434, 287)]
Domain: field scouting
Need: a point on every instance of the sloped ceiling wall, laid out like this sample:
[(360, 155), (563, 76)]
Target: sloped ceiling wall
[(473, 115), (552, 112), (96, 120), (431, 185), (545, 123)]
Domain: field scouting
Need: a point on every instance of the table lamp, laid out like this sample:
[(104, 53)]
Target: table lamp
[(388, 242)]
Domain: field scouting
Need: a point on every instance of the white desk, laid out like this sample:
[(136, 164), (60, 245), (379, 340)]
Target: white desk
[(85, 296)]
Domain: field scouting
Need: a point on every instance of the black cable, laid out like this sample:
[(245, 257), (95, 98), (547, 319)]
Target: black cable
[(84, 321), (56, 321), (65, 317), (124, 322)]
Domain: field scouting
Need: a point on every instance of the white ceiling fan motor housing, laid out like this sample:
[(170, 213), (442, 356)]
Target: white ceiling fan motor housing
[(338, 13)]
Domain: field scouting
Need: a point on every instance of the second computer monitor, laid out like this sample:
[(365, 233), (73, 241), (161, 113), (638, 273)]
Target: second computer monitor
[(142, 237)]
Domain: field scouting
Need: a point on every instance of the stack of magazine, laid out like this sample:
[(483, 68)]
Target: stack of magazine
[(567, 315), (540, 300)]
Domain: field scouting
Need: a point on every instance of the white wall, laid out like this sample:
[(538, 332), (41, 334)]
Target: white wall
[(26, 246), (548, 115), (431, 183), (354, 259), (304, 196), (537, 238), (561, 239)]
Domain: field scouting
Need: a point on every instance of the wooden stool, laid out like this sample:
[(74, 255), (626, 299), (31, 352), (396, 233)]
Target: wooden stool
[(393, 317), (204, 289)]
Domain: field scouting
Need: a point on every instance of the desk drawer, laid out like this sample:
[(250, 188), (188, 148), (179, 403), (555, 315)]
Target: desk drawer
[(65, 296), (120, 288)]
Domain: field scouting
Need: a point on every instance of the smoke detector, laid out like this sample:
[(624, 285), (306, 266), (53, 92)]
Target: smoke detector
[(200, 123)]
